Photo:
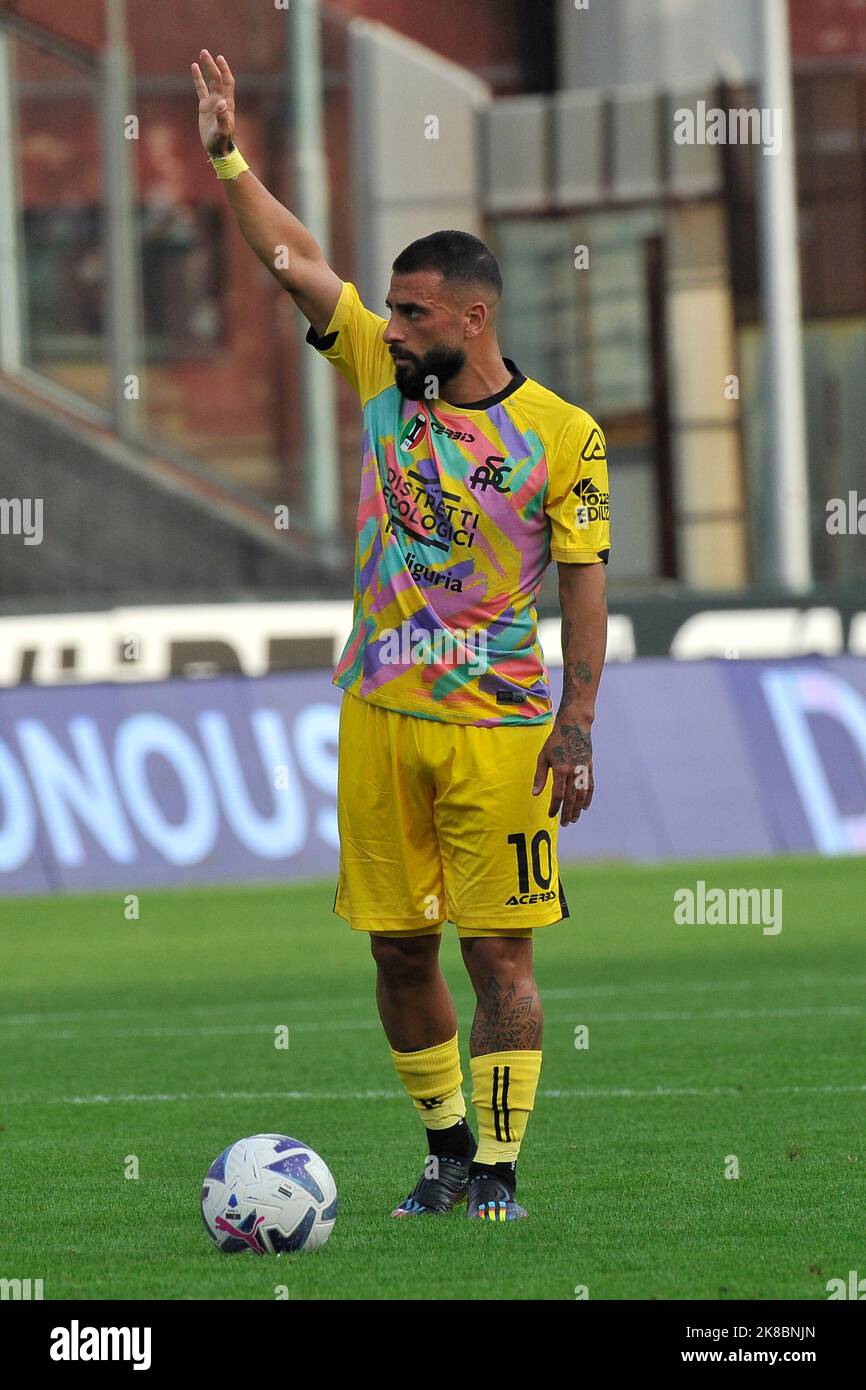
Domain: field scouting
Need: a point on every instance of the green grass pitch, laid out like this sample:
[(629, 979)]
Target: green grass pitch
[(155, 1038)]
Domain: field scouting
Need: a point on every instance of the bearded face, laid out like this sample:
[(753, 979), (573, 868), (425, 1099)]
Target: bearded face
[(423, 377)]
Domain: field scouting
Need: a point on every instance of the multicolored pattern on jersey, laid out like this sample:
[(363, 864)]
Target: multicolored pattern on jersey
[(461, 510)]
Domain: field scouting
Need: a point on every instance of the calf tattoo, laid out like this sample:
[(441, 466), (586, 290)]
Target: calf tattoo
[(505, 1021)]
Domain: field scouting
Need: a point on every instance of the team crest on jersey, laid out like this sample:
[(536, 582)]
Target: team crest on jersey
[(488, 474), (414, 432)]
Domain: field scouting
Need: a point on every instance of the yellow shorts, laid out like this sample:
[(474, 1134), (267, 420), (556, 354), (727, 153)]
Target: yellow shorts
[(438, 823)]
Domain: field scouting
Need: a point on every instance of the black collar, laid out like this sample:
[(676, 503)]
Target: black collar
[(517, 380)]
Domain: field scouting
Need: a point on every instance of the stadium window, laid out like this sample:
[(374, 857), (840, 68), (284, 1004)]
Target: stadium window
[(180, 265), (588, 337)]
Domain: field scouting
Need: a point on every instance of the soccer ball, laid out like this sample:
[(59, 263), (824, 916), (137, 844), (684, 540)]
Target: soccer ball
[(268, 1194)]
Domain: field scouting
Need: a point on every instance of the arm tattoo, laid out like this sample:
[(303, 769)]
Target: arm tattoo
[(503, 1022), (578, 673)]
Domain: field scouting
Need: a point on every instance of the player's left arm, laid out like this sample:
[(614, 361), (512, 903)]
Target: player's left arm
[(578, 510), (567, 753)]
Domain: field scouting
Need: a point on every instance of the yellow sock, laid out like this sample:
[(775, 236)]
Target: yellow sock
[(433, 1079), (503, 1092)]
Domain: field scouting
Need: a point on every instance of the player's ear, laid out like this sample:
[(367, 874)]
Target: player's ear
[(477, 316)]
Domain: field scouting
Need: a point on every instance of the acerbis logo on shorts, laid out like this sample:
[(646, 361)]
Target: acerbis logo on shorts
[(530, 898)]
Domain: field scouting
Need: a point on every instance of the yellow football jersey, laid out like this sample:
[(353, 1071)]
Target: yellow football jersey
[(461, 510)]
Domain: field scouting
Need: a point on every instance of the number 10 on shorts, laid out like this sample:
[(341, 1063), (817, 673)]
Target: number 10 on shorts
[(541, 857)]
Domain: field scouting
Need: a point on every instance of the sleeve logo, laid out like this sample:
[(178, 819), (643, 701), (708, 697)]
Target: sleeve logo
[(593, 450), (592, 504)]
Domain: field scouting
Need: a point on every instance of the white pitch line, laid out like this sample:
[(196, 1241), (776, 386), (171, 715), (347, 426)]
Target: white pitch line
[(805, 1011), (373, 1024), (744, 1093), (586, 1093), (249, 1030), (578, 992)]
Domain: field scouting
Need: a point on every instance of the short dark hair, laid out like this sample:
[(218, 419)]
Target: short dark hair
[(458, 256)]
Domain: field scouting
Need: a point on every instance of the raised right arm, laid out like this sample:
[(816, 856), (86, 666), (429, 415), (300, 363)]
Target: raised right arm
[(266, 225)]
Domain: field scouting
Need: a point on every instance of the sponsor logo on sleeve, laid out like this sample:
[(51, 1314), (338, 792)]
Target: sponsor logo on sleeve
[(592, 504)]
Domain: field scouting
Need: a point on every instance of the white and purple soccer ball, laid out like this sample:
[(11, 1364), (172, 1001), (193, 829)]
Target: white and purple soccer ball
[(269, 1194)]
